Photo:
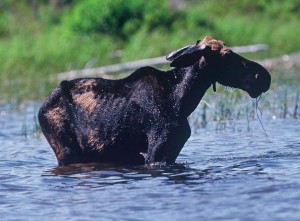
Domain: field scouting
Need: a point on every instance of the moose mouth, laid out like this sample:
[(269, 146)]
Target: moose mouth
[(255, 93), (255, 80), (260, 84), (254, 87)]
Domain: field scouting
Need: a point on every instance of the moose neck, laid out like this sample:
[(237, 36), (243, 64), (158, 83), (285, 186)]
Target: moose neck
[(193, 83)]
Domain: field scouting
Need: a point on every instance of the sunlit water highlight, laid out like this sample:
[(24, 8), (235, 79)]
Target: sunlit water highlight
[(236, 173)]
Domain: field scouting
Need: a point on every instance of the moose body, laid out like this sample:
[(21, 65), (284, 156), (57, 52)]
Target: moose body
[(143, 117)]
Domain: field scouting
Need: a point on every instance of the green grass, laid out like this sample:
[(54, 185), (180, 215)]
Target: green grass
[(33, 49)]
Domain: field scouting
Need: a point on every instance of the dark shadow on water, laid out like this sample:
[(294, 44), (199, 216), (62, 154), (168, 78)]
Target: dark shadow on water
[(106, 170), (213, 169), (94, 174)]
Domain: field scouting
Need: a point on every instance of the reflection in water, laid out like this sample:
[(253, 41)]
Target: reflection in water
[(110, 174), (220, 168)]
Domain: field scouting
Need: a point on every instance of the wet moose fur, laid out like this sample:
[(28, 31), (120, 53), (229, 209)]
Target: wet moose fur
[(143, 117)]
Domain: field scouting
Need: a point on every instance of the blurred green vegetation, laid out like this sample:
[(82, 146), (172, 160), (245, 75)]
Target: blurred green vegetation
[(41, 38)]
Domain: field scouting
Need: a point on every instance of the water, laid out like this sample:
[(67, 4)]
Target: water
[(234, 173)]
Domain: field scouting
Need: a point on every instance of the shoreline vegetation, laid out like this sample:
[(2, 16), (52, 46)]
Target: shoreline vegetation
[(39, 39)]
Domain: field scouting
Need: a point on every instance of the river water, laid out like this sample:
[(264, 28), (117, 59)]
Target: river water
[(228, 170)]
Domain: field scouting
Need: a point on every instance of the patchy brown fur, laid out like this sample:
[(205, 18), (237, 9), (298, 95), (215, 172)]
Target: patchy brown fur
[(86, 101), (59, 151), (215, 45), (95, 142), (86, 84), (56, 117)]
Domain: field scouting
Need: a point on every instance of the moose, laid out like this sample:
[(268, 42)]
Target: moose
[(142, 119)]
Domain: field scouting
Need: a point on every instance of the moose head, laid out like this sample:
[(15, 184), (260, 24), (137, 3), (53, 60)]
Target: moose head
[(227, 67)]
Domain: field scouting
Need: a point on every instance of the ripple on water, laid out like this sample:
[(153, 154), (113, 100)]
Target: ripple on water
[(228, 175)]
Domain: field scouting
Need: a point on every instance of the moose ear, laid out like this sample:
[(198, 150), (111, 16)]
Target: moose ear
[(178, 52), (185, 56)]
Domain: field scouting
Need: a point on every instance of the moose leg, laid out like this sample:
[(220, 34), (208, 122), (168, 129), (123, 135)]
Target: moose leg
[(177, 139), (165, 145), (55, 125), (156, 146)]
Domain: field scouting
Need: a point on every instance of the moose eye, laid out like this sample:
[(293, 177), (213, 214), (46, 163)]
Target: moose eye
[(244, 64)]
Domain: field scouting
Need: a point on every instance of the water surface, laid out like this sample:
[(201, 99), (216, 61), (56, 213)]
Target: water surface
[(234, 173)]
